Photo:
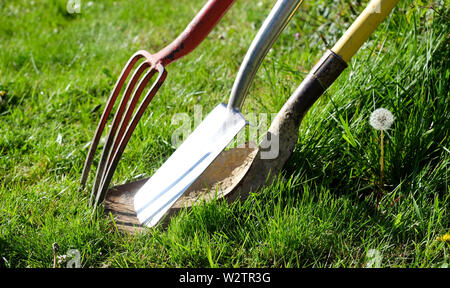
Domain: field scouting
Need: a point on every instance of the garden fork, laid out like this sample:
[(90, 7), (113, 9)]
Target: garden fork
[(148, 65)]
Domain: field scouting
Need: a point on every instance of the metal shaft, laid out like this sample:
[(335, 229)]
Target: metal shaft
[(278, 18)]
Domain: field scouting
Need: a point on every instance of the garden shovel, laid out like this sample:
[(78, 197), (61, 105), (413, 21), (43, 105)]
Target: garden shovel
[(258, 167), (196, 153)]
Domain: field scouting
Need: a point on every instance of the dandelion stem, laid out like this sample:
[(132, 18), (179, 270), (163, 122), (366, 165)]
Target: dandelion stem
[(381, 161), (380, 193), (381, 119)]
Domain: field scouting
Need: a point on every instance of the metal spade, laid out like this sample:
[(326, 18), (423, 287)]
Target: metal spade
[(198, 151)]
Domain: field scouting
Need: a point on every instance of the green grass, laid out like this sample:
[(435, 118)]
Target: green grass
[(57, 68)]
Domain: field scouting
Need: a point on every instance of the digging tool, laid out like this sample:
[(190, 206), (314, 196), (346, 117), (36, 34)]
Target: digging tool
[(189, 161), (255, 170), (150, 65), (236, 172)]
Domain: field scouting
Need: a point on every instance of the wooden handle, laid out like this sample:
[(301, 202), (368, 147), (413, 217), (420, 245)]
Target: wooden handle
[(363, 27)]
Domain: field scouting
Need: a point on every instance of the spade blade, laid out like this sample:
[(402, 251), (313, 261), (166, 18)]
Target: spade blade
[(186, 164)]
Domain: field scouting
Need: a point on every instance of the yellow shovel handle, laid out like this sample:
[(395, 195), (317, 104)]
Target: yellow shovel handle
[(375, 12)]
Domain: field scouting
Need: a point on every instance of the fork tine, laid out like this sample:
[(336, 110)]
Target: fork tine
[(110, 104), (112, 137), (117, 118), (129, 131), (129, 113)]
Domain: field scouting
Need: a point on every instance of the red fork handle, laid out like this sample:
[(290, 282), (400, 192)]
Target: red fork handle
[(195, 32)]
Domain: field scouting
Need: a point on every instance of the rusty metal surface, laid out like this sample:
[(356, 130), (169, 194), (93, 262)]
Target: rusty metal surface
[(329, 67), (285, 126)]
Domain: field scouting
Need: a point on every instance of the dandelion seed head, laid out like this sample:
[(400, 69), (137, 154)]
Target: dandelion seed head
[(381, 119)]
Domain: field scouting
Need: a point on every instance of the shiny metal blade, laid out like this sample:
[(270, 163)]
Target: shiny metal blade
[(186, 164)]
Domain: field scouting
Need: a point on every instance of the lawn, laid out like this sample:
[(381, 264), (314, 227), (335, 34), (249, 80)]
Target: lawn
[(57, 70)]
